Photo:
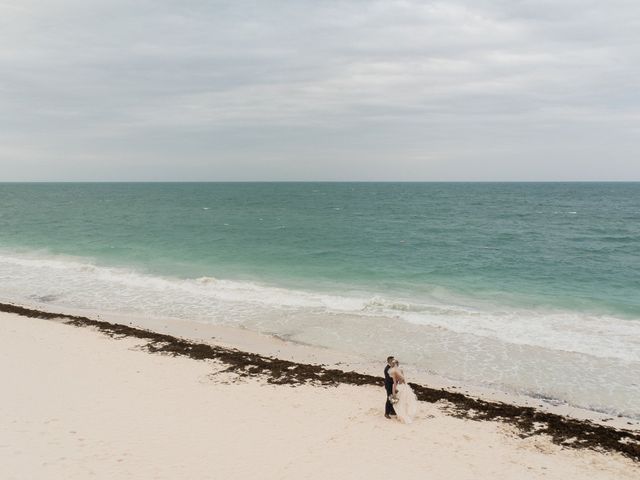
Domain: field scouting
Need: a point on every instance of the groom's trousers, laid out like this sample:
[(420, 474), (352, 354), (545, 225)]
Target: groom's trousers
[(388, 407)]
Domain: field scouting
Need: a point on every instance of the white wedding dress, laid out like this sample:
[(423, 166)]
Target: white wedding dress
[(407, 405)]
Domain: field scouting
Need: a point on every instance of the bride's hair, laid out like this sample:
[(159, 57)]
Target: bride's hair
[(396, 363)]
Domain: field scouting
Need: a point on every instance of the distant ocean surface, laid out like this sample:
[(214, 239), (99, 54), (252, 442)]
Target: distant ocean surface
[(525, 287)]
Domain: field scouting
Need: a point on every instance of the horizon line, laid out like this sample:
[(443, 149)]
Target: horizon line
[(4, 182)]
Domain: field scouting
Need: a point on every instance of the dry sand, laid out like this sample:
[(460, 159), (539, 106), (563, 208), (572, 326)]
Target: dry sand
[(77, 404)]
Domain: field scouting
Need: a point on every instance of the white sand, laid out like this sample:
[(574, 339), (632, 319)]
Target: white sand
[(77, 404)]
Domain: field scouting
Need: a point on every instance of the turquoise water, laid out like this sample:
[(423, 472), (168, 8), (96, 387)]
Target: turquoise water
[(490, 269), (565, 245)]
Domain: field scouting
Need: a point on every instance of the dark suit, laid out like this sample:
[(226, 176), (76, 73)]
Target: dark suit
[(388, 386)]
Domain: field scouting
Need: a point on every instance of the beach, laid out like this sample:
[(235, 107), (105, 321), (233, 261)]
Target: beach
[(82, 404), (234, 235)]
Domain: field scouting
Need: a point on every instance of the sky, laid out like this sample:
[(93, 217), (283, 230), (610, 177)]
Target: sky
[(194, 90)]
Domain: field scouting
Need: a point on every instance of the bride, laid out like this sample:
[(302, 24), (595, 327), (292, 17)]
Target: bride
[(406, 405)]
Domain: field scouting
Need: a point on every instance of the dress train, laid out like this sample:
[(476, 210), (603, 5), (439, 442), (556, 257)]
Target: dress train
[(407, 405)]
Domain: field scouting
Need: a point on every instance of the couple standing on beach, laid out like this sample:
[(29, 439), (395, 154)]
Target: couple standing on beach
[(401, 401)]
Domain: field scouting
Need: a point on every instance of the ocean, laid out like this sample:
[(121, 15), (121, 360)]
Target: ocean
[(530, 288)]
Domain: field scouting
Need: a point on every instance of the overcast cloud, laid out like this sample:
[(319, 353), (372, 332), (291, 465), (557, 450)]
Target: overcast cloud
[(319, 90)]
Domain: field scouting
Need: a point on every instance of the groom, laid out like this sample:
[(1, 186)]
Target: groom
[(388, 385)]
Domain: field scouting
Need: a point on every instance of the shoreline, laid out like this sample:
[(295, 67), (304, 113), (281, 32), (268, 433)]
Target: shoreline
[(567, 432), (273, 345), (564, 365)]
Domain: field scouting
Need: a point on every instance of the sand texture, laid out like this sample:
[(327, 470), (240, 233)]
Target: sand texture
[(78, 404)]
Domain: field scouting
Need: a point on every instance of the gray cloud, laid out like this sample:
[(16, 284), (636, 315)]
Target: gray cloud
[(332, 90)]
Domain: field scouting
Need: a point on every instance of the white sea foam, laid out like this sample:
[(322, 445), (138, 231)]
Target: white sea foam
[(82, 284), (581, 358)]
